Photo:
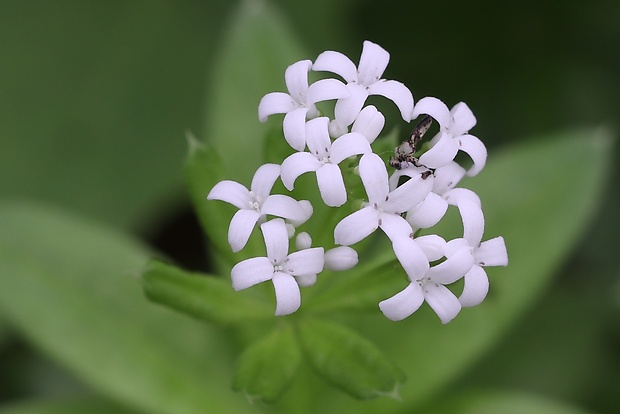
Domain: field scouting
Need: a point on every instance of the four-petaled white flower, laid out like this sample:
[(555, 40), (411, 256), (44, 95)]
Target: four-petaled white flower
[(427, 283), (255, 204), (488, 253), (453, 135), (279, 267), (323, 158), (298, 104), (384, 207), (362, 81), (434, 206)]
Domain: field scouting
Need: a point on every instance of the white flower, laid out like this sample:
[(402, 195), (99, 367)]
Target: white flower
[(427, 283), (369, 123), (489, 253), (364, 80), (434, 206), (453, 135), (298, 104), (323, 158), (255, 204), (340, 258), (279, 267), (384, 207)]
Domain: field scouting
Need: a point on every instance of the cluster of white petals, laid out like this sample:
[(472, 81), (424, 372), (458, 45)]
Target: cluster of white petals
[(414, 196)]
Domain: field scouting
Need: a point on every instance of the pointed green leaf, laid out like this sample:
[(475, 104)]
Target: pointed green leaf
[(204, 169), (267, 367), (539, 196), (349, 361), (202, 296), (71, 288), (254, 55)]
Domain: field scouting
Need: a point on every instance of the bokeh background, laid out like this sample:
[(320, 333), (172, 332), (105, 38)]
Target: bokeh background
[(96, 98)]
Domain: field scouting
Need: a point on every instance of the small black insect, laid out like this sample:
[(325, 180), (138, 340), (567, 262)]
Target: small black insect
[(404, 154)]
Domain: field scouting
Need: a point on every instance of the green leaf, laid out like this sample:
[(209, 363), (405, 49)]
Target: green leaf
[(203, 169), (539, 196), (202, 296), (504, 402), (91, 405), (72, 289), (107, 139), (540, 201), (267, 367), (349, 361), (256, 51)]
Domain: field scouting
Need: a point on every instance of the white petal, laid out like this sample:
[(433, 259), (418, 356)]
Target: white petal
[(463, 119), (337, 63), (411, 257), (232, 193), (432, 245), (305, 262), (441, 154), (369, 123), (408, 195), (394, 226), (284, 206), (317, 136), (337, 128), (288, 297), (454, 245), (275, 103), (435, 108), (294, 128), (456, 194), (428, 212), (410, 171), (296, 77), (241, 226), (306, 280), (442, 301), (453, 268), (398, 93), (307, 206), (473, 221), (251, 272), (476, 287), (373, 61), (348, 145), (326, 89), (340, 258), (347, 109), (447, 177), (264, 179), (403, 304), (356, 226), (492, 253), (290, 229), (303, 241), (374, 177), (331, 185), (476, 150), (295, 165), (276, 240)]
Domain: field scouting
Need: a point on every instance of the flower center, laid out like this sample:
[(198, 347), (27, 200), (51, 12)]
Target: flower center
[(423, 282), (255, 203)]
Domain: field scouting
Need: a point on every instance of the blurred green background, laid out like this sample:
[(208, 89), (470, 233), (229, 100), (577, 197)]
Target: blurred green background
[(96, 97)]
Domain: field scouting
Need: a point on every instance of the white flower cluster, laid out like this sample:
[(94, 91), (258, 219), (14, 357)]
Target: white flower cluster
[(416, 196)]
